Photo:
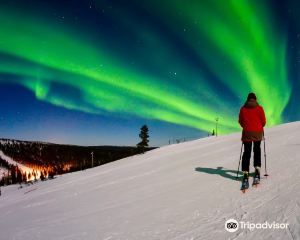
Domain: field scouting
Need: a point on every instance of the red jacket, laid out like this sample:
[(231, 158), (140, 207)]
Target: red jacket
[(252, 119)]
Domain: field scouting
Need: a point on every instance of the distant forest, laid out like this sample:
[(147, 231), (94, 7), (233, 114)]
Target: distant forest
[(49, 159)]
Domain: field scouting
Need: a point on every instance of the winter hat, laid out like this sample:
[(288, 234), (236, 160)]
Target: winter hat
[(251, 96)]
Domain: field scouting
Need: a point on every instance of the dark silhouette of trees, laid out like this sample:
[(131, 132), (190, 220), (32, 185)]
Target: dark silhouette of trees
[(144, 135), (47, 160), (19, 175), (42, 177), (13, 174)]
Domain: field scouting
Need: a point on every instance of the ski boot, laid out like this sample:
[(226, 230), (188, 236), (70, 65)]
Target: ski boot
[(256, 179), (245, 182)]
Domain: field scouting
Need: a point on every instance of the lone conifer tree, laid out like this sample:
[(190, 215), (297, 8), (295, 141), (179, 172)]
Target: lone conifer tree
[(143, 144)]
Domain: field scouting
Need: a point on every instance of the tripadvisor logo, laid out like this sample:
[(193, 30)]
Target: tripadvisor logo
[(231, 225)]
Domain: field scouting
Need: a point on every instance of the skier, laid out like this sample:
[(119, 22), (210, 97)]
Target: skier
[(252, 119)]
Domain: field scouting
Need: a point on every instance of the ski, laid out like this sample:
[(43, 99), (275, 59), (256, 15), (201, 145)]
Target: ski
[(244, 190)]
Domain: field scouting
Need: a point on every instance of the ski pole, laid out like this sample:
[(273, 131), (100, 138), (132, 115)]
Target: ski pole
[(266, 174), (237, 174)]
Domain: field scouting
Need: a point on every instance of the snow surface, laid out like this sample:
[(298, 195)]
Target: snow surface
[(183, 191)]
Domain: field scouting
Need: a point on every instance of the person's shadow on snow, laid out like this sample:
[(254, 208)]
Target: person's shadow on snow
[(226, 173)]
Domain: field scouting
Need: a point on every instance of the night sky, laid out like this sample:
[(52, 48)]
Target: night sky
[(93, 72)]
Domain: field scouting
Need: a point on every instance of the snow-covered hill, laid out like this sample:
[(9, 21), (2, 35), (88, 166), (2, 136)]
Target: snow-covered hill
[(183, 191)]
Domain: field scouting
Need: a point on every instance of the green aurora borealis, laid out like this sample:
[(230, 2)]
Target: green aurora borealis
[(179, 63)]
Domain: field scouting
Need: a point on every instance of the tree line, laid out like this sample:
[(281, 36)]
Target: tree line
[(47, 159)]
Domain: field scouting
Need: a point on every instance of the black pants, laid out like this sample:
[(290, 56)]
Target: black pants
[(247, 155)]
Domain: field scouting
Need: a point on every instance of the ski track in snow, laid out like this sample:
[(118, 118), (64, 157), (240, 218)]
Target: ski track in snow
[(176, 192)]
